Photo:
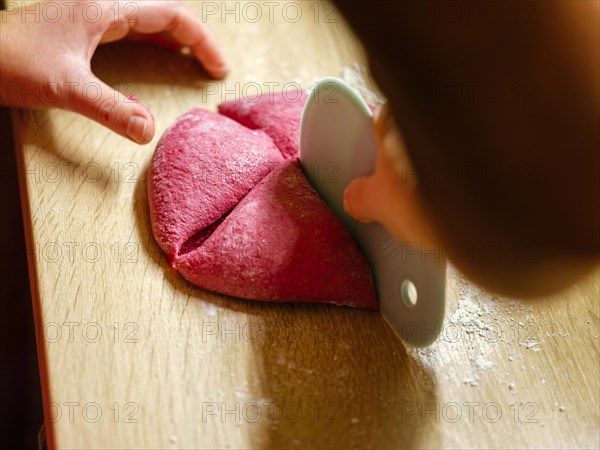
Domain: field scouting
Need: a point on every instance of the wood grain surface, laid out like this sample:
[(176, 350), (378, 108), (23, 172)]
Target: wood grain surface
[(133, 356)]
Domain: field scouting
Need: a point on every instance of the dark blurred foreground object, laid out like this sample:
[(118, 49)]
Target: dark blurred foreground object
[(499, 107), (20, 394)]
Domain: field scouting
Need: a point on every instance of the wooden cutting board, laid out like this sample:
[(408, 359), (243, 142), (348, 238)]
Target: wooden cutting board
[(133, 356)]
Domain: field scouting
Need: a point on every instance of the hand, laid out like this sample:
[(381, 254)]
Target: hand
[(45, 54), (390, 195)]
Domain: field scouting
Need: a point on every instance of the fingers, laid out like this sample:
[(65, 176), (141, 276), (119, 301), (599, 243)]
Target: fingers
[(387, 196), (173, 19), (161, 40), (188, 30), (123, 115), (378, 198), (361, 199)]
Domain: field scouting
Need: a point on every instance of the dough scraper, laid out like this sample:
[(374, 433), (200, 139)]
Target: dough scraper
[(337, 145)]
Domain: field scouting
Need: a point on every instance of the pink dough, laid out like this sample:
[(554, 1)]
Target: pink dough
[(203, 166), (278, 114), (234, 213)]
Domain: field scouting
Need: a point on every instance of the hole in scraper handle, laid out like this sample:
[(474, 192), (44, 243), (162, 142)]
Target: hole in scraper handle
[(409, 293)]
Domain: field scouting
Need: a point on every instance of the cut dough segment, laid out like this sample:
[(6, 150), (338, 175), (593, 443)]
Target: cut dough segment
[(204, 164), (282, 243), (276, 113)]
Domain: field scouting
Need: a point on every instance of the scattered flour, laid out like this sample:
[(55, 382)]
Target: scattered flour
[(210, 309), (482, 324), (472, 381), (561, 408), (481, 363), (357, 76)]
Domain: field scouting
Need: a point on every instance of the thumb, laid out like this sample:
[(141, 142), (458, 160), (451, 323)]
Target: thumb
[(107, 106), (361, 199)]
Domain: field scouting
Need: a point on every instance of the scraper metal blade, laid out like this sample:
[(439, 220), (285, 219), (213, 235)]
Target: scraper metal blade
[(337, 145)]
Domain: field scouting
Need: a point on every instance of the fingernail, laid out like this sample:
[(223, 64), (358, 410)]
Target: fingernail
[(345, 201), (348, 207), (221, 71), (136, 128)]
